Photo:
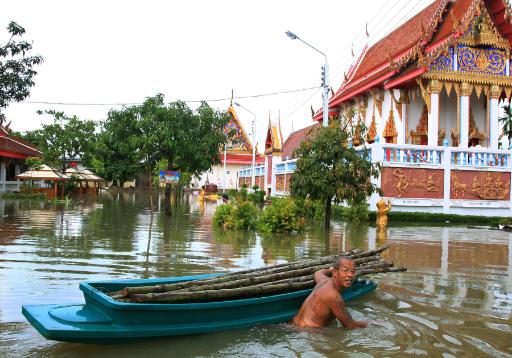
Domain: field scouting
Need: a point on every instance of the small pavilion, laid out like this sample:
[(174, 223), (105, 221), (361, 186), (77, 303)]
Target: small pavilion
[(44, 173)]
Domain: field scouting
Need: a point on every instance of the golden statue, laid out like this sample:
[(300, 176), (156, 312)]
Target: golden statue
[(382, 218)]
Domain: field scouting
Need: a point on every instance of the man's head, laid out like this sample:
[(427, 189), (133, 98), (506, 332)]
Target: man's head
[(343, 271)]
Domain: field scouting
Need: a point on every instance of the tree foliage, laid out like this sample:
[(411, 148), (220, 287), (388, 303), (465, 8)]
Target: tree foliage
[(65, 140), (506, 120), (144, 135), (16, 68), (330, 169)]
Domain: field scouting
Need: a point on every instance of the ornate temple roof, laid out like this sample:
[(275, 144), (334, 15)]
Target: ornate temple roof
[(407, 51), (239, 148), (274, 139), (13, 147)]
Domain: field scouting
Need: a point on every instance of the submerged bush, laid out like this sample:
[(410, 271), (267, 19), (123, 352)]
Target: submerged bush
[(358, 212), (242, 215), (284, 215)]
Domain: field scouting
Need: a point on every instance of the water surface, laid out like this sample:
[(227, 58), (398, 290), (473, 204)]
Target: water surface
[(455, 300)]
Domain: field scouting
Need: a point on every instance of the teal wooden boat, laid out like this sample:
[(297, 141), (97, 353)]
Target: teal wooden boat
[(102, 318)]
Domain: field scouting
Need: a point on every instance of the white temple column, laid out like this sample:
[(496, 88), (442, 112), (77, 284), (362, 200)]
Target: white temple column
[(268, 159), (464, 115), (433, 116), (403, 128), (2, 176), (493, 117)]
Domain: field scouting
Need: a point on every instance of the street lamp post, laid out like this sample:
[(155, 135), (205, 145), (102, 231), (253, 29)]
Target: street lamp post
[(253, 143), (325, 78)]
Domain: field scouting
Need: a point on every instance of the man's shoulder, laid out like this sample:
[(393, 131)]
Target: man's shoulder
[(328, 292)]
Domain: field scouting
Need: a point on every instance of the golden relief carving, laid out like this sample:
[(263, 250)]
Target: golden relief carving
[(378, 99), (474, 78), (495, 91), (398, 103), (425, 93), (435, 86), (465, 89), (484, 61), (281, 183), (372, 131), (440, 136), (475, 137), (487, 35), (429, 181), (420, 135), (390, 133), (490, 188)]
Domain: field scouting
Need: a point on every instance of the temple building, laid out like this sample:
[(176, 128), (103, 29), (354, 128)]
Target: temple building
[(13, 152), (236, 155), (430, 94)]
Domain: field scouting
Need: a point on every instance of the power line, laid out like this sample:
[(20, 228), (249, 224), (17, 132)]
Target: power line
[(341, 62), (188, 101)]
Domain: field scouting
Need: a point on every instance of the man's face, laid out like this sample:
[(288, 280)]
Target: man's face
[(345, 273)]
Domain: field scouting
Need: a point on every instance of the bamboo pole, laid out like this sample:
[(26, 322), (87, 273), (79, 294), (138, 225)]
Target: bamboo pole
[(316, 264), (287, 285)]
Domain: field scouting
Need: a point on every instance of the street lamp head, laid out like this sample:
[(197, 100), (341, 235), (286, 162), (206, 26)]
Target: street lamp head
[(291, 35), (237, 104)]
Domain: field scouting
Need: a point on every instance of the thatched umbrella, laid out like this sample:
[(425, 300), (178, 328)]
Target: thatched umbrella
[(44, 172), (86, 176)]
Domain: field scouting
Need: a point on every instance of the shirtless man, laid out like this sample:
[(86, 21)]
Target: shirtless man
[(325, 302)]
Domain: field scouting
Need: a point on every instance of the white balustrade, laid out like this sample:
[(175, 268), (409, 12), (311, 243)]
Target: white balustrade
[(412, 154), (9, 186), (480, 157)]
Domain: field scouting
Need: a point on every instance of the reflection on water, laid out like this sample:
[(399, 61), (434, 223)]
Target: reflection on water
[(455, 300)]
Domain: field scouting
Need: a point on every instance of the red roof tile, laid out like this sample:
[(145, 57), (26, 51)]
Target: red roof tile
[(398, 41), (295, 139), (13, 147)]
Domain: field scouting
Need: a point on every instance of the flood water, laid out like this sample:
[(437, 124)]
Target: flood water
[(454, 301)]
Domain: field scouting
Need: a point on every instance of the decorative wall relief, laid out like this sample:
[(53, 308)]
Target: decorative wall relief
[(444, 62), (281, 183), (490, 61), (412, 183), (479, 185)]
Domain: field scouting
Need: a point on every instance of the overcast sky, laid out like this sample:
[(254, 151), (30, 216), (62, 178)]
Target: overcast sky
[(114, 52)]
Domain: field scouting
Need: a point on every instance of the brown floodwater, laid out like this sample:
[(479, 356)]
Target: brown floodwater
[(454, 301)]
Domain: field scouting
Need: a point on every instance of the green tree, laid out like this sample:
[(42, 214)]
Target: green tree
[(16, 68), (330, 169), (116, 156), (188, 140), (33, 163), (506, 120), (67, 139)]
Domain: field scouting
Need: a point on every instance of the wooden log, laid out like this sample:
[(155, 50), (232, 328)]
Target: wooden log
[(200, 296), (327, 260), (267, 288), (246, 279)]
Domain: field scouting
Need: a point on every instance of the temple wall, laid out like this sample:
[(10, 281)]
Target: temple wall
[(479, 113), (448, 113), (414, 109), (216, 176), (369, 111)]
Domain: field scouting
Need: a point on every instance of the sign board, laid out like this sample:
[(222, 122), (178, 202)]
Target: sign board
[(169, 176)]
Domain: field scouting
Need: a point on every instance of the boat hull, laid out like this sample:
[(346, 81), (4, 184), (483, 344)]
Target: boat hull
[(103, 319)]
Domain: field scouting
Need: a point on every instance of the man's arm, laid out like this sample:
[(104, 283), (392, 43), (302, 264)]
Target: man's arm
[(321, 275), (337, 306)]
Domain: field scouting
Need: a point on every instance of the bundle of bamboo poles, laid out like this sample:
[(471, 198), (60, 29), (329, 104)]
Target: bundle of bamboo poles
[(263, 281)]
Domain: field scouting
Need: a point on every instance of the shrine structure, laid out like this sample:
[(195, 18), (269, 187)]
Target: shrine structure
[(236, 155), (13, 152), (430, 94)]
